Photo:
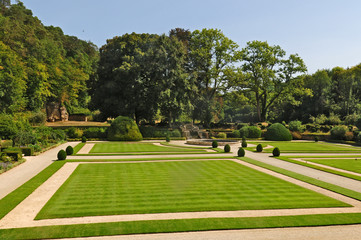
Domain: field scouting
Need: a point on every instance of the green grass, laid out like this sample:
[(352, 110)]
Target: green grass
[(185, 186), (148, 159), (352, 165), (178, 225), (10, 201), (325, 169), (311, 147), (313, 181), (126, 147), (78, 147)]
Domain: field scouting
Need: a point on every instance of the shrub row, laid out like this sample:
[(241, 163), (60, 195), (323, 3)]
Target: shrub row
[(156, 132)]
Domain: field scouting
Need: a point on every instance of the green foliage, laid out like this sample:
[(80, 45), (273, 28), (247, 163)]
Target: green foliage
[(244, 132), (149, 75), (236, 134), (14, 153), (244, 143), (358, 123), (83, 139), (124, 129), (158, 132), (69, 150), (75, 132), (40, 64), (27, 151), (95, 132), (270, 76), (167, 138), (339, 132), (259, 148), (214, 144), (295, 126), (37, 118), (241, 152), (316, 139), (61, 155), (278, 132), (222, 135), (351, 119), (276, 152), (227, 148), (254, 132)]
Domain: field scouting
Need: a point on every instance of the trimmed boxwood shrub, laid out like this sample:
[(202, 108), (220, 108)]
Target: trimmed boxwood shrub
[(124, 129), (222, 135), (259, 148), (227, 148), (316, 139), (244, 143), (276, 152), (241, 152), (214, 144), (95, 132), (167, 138), (69, 150), (243, 132), (339, 132), (61, 155), (27, 151), (83, 139), (236, 134), (14, 153), (254, 132), (278, 132)]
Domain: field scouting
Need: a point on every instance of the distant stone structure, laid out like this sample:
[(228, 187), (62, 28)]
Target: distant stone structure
[(56, 112)]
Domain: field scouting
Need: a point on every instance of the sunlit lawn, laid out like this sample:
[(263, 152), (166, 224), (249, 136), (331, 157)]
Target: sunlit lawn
[(182, 186)]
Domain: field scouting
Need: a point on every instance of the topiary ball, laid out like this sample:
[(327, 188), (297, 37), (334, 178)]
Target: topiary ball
[(316, 139), (214, 144), (259, 148), (83, 139), (241, 152), (278, 132), (167, 138), (244, 143), (124, 129), (69, 150), (276, 152), (61, 155), (227, 148)]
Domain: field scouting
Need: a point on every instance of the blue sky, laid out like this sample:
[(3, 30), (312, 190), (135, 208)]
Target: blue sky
[(325, 33)]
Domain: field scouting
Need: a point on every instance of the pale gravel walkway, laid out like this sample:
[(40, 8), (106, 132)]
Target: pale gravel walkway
[(310, 172), (25, 212), (350, 232), (14, 178), (86, 148)]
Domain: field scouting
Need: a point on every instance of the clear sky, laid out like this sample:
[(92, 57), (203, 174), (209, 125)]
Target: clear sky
[(325, 33)]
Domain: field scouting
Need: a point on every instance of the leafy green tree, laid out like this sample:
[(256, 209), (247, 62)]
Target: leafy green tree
[(12, 81), (212, 63), (270, 76)]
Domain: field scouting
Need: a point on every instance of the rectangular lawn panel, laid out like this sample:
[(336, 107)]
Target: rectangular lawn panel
[(184, 186), (352, 165), (124, 147), (312, 147)]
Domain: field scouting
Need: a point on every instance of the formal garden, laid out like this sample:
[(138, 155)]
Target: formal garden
[(141, 136)]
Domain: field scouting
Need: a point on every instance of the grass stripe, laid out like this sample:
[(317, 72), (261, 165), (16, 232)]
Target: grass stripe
[(178, 225)]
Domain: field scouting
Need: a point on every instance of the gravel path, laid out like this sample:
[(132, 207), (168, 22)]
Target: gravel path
[(14, 178), (310, 172)]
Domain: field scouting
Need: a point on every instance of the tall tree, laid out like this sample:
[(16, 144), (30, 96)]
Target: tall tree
[(138, 73), (212, 58), (270, 76)]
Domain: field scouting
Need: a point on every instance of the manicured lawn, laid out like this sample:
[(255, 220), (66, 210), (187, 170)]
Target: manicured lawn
[(353, 165), (125, 147), (184, 186), (311, 147), (178, 225)]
